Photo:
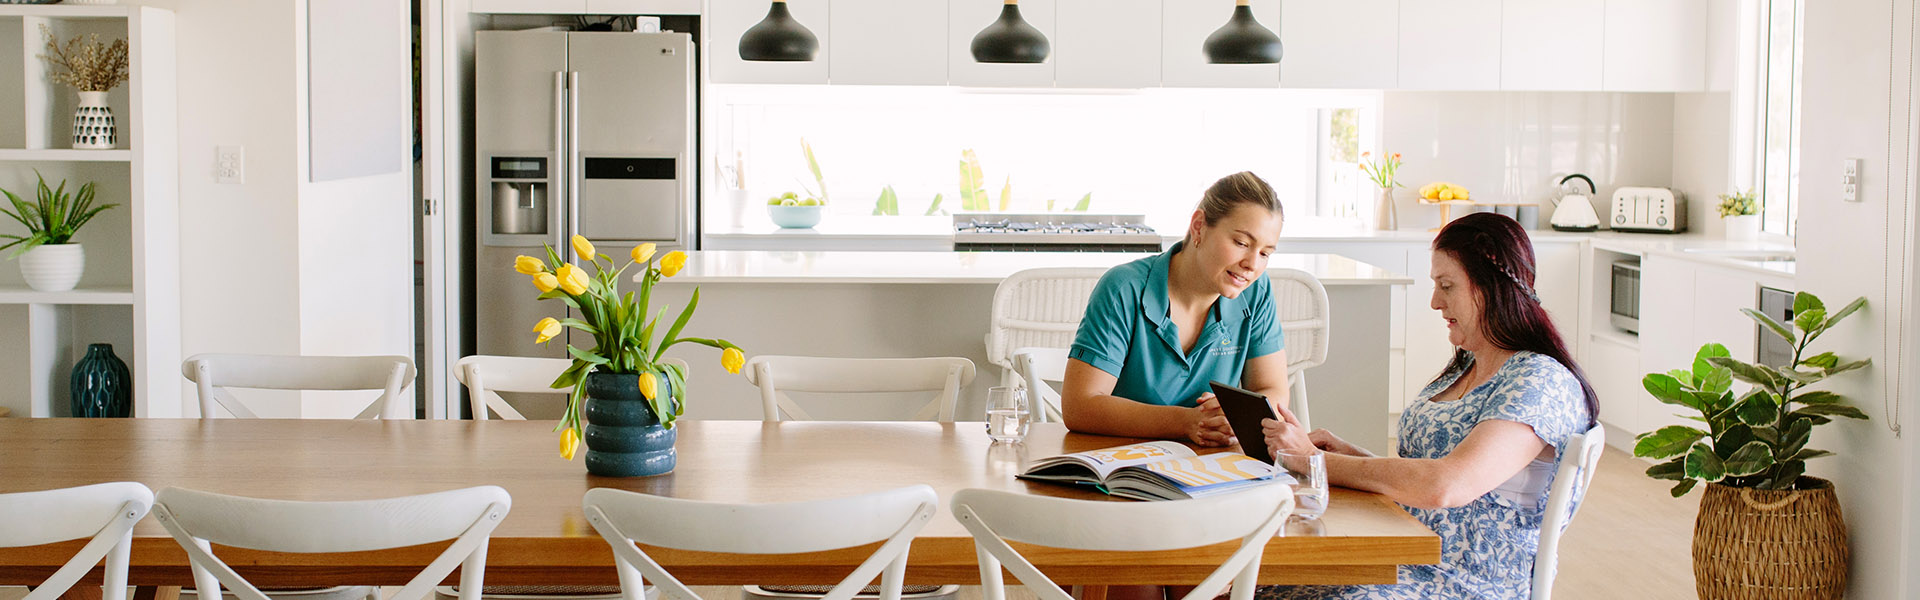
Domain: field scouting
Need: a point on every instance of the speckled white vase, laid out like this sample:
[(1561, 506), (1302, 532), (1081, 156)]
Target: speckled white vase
[(53, 267)]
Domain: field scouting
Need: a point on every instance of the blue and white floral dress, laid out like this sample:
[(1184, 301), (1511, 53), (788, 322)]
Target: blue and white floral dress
[(1486, 547)]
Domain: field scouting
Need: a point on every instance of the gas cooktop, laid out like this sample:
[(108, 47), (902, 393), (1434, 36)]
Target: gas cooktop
[(1065, 232)]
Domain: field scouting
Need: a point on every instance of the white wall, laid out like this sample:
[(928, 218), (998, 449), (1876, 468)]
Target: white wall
[(277, 265), (1515, 146), (1860, 249)]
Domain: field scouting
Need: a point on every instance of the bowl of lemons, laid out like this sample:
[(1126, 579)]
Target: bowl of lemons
[(790, 211)]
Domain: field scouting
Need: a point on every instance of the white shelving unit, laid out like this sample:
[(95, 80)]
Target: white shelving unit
[(130, 295)]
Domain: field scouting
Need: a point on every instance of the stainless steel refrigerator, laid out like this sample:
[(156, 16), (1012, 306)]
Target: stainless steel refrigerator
[(588, 133)]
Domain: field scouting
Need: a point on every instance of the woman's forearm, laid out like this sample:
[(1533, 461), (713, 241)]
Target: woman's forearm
[(1419, 483), (1113, 415)]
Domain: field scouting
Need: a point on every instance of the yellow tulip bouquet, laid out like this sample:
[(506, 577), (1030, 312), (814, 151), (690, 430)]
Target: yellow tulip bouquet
[(623, 336)]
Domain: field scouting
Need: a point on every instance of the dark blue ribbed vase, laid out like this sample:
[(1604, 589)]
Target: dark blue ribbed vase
[(624, 437), (101, 384)]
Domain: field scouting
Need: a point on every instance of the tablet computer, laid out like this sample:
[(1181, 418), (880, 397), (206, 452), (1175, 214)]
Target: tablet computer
[(1244, 410)]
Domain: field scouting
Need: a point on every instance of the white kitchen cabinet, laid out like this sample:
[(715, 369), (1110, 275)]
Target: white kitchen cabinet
[(888, 42), (1556, 279), (1107, 43), (1350, 44), (1655, 46), (728, 19), (1185, 26), (1449, 44), (1668, 308), (965, 18), (1613, 369), (1552, 46)]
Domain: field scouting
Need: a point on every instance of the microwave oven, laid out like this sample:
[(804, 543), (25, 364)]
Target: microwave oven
[(1624, 309)]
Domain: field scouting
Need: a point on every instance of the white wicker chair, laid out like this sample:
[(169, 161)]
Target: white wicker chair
[(1305, 319), (1037, 309)]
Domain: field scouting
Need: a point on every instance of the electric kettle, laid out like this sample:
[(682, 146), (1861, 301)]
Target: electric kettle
[(1574, 211)]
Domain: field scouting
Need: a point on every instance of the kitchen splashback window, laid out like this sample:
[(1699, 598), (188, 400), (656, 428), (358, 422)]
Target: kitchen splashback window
[(1148, 152)]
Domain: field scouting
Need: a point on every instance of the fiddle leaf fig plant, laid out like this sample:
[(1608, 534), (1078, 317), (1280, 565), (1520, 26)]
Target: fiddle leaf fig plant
[(1758, 439)]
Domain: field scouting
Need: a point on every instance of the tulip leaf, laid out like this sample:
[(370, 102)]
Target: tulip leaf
[(1667, 442), (586, 356), (580, 325), (673, 333)]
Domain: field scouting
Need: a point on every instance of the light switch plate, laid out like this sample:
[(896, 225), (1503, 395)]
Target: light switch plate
[(1850, 180), (229, 164)]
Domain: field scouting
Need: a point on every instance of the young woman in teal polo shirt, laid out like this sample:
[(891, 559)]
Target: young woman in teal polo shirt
[(1158, 329)]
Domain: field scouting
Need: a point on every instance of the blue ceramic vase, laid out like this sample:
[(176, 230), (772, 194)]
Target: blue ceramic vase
[(101, 384), (624, 437)]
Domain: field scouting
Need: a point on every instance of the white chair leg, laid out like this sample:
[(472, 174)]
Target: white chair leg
[(893, 578), (991, 585), (1244, 583), (632, 584), (115, 587), (204, 583), (472, 571)]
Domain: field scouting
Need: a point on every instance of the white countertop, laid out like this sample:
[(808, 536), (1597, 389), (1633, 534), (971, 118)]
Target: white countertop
[(753, 266)]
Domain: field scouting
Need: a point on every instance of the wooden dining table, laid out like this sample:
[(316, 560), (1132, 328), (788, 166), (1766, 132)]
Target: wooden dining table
[(546, 540)]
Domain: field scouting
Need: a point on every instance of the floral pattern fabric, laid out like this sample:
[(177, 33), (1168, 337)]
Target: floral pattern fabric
[(1487, 547)]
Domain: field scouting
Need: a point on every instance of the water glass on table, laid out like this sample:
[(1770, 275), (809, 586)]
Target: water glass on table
[(1309, 471), (1007, 414)]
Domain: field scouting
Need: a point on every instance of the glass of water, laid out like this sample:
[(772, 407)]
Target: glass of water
[(1309, 471), (1007, 414)]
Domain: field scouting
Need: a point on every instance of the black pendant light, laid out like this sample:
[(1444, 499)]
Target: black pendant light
[(1010, 39), (1243, 40), (778, 37)]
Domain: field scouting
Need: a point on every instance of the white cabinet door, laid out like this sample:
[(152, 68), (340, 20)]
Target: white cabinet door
[(1428, 349), (965, 18), (889, 42), (1718, 296), (1449, 45), (1186, 25), (1613, 368), (1668, 337), (1655, 46), (1351, 44), (1551, 45), (1556, 279), (728, 19), (1107, 43)]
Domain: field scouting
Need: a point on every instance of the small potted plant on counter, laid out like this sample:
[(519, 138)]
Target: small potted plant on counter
[(50, 260), (1741, 214), (1765, 529)]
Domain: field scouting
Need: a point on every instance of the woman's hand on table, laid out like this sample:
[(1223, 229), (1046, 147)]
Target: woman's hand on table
[(1326, 440), (1286, 434), (1206, 424)]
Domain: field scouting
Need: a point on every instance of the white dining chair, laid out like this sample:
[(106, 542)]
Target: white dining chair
[(1037, 308), (893, 516), (103, 513), (1037, 369), (487, 376), (1300, 302), (215, 374), (776, 375), (197, 519), (1570, 482), (996, 517)]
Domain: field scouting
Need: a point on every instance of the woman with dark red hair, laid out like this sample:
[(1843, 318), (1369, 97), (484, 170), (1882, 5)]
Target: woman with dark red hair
[(1479, 447)]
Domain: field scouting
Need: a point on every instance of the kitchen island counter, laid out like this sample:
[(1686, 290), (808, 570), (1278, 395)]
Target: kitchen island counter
[(912, 304)]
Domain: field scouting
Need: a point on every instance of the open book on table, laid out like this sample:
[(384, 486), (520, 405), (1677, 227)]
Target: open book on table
[(1157, 471)]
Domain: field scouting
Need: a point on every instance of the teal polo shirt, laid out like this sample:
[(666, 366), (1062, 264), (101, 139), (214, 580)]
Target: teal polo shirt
[(1127, 333)]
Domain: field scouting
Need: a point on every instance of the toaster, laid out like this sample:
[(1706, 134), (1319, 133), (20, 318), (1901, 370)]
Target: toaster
[(1648, 210)]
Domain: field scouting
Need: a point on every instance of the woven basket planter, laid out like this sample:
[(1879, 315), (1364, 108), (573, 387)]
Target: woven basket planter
[(1753, 544)]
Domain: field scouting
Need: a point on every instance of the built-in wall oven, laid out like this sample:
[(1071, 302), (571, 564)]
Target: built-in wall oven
[(1624, 309)]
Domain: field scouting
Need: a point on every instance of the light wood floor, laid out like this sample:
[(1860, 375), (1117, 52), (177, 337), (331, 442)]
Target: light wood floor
[(1631, 540)]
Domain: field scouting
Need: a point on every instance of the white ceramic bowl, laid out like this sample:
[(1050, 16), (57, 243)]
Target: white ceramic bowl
[(795, 217)]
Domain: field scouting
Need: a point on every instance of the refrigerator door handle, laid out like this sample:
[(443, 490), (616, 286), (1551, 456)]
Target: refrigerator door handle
[(574, 163), (562, 169)]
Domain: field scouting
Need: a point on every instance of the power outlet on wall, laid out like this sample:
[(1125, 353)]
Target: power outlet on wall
[(1850, 180), (230, 164)]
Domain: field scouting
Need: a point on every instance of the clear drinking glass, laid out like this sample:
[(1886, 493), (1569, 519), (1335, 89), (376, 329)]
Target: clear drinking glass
[(1309, 471), (1007, 414)]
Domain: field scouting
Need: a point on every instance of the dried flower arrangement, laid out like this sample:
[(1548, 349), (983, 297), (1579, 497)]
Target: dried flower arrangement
[(88, 66)]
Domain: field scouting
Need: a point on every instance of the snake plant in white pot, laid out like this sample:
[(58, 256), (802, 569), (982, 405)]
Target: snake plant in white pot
[(50, 260)]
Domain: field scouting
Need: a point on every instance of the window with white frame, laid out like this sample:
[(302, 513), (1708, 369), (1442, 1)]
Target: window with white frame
[(1149, 152), (1778, 139)]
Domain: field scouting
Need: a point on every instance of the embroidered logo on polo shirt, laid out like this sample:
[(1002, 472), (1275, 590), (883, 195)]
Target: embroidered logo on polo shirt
[(1226, 346)]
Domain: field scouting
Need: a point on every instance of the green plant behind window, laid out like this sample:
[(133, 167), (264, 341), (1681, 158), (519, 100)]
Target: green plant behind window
[(1760, 439), (54, 216)]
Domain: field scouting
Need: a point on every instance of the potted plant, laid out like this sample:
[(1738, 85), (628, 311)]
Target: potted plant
[(789, 210), (1383, 175), (1765, 528), (92, 68), (50, 260), (631, 394), (1741, 215)]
